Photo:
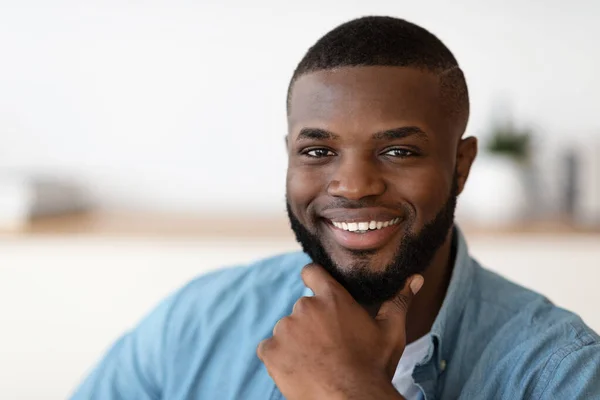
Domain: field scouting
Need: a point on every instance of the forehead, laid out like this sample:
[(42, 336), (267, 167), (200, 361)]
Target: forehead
[(365, 98)]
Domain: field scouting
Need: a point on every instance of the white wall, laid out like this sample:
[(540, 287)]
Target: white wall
[(64, 300), (180, 105)]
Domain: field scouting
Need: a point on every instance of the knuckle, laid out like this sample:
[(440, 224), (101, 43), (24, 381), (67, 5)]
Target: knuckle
[(302, 305), (263, 348), (282, 326), (307, 271)]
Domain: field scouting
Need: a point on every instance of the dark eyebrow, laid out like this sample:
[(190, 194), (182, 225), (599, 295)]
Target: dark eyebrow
[(316, 134), (400, 133)]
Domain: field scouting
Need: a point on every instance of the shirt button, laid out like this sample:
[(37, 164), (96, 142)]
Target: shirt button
[(443, 365)]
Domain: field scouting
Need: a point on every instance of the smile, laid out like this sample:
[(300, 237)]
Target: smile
[(363, 227), (364, 235)]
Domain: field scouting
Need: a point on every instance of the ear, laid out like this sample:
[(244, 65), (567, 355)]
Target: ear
[(466, 153), (287, 149)]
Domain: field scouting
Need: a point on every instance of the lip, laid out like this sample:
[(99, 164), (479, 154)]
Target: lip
[(370, 240)]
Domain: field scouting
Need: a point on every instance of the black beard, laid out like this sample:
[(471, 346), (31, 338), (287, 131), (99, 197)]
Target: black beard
[(414, 254)]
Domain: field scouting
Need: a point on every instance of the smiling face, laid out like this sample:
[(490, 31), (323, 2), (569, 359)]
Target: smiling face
[(375, 164)]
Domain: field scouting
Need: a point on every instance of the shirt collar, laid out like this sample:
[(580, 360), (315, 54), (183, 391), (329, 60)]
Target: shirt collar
[(447, 322)]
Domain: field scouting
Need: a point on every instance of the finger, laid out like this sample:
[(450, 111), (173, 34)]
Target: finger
[(282, 326), (392, 314), (303, 305), (318, 280), (264, 348)]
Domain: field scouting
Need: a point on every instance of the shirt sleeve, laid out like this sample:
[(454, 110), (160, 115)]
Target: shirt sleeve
[(573, 374), (133, 366)]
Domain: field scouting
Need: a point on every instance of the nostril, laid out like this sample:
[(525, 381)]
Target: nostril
[(356, 190)]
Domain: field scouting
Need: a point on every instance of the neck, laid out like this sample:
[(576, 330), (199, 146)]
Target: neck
[(427, 303)]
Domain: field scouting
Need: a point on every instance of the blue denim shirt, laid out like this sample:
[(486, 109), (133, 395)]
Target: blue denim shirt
[(492, 339)]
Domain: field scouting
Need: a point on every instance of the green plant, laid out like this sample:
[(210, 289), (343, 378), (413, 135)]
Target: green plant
[(508, 140)]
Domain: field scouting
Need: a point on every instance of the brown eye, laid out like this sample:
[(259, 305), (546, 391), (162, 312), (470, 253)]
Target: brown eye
[(319, 153), (399, 152)]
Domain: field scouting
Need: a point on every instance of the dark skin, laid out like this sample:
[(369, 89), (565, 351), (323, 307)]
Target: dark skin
[(331, 347)]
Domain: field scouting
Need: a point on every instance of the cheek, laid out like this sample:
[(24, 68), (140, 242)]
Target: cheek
[(426, 189), (302, 188)]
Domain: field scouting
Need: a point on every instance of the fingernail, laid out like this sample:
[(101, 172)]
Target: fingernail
[(416, 283)]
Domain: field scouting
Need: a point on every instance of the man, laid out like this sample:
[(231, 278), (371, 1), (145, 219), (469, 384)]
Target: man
[(384, 302)]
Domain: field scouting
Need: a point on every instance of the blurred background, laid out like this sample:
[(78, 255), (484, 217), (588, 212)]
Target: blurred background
[(141, 144)]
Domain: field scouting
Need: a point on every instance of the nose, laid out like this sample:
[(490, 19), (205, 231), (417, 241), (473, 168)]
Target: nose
[(355, 179)]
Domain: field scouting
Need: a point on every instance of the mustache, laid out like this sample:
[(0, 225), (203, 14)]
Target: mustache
[(341, 203), (361, 203)]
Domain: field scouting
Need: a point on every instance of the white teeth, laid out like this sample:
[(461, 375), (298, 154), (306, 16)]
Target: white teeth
[(364, 226)]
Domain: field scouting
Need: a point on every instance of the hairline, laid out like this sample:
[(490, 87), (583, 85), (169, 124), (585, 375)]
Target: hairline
[(442, 74)]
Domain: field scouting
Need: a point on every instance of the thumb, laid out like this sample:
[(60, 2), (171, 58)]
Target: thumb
[(391, 317)]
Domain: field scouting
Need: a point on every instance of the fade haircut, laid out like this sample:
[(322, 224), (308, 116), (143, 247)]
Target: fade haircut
[(387, 41)]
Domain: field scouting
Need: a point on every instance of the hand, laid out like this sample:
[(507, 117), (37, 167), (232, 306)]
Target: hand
[(330, 348)]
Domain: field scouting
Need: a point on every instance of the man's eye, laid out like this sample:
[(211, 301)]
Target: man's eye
[(319, 153), (399, 152)]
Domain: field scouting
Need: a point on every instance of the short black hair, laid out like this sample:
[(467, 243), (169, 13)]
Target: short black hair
[(388, 41)]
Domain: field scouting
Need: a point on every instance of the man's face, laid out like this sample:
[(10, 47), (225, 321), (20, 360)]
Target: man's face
[(372, 174)]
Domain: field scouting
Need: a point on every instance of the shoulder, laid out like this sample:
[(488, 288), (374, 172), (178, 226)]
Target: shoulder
[(211, 324), (495, 291), (529, 339), (507, 304), (273, 277), (268, 271), (256, 294)]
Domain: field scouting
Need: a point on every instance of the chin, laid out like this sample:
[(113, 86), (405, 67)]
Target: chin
[(372, 261)]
